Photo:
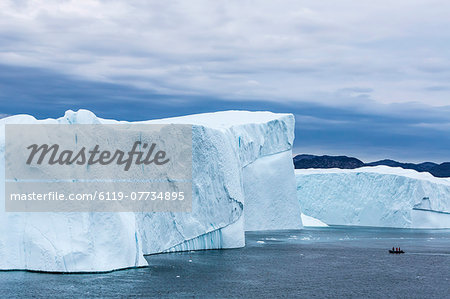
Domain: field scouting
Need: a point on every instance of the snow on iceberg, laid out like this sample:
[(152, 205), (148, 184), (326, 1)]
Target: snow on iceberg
[(370, 196), (231, 150)]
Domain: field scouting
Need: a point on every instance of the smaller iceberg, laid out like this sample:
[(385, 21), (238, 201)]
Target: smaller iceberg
[(374, 196), (309, 221)]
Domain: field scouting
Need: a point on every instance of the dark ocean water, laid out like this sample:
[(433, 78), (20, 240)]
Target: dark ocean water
[(322, 262)]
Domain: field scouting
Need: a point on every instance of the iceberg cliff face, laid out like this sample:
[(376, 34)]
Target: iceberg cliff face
[(230, 151), (369, 196)]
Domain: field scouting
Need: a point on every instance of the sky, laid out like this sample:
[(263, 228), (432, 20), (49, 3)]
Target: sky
[(369, 79)]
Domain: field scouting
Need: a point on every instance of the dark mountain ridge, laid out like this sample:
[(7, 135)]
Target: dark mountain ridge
[(312, 161)]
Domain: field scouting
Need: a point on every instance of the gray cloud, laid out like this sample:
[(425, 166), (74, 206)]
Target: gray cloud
[(324, 51)]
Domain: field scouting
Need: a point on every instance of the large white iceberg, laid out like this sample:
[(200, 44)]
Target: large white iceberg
[(373, 196), (243, 179)]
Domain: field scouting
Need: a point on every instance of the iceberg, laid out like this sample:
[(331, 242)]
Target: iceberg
[(373, 196), (242, 179), (309, 221)]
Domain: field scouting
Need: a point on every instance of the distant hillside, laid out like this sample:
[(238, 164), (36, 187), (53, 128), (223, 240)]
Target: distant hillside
[(311, 161), (344, 162), (442, 170)]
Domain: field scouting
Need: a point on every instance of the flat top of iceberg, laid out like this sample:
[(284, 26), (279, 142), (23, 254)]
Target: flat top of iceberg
[(410, 173), (221, 119)]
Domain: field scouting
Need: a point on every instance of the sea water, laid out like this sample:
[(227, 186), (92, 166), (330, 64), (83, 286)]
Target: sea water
[(324, 262)]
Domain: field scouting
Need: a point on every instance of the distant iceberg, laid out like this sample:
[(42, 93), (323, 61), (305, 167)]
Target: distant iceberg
[(372, 196), (243, 179)]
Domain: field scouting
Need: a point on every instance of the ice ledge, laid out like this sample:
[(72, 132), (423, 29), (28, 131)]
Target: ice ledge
[(309, 221)]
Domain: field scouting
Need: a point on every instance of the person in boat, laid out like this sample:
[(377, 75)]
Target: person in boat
[(393, 249)]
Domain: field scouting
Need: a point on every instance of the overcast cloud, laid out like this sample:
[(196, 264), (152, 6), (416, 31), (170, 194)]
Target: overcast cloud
[(385, 51), (377, 70)]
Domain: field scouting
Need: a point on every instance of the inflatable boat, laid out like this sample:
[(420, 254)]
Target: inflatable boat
[(396, 251)]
